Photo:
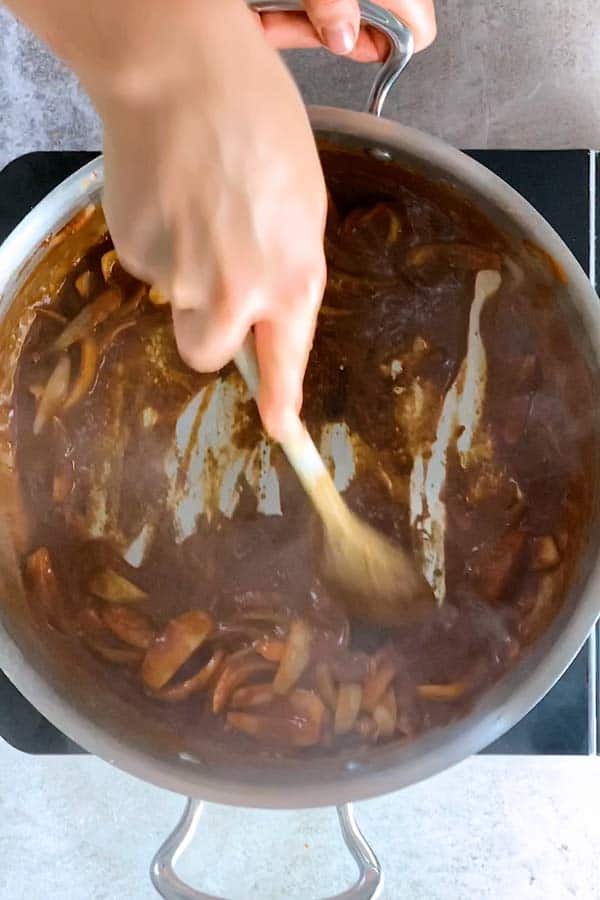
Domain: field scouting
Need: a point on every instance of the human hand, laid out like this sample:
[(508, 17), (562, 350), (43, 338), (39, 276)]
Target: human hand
[(335, 24), (214, 194)]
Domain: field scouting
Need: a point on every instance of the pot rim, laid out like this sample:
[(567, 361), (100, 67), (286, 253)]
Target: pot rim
[(508, 700)]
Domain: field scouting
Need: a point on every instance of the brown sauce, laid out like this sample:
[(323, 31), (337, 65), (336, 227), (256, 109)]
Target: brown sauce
[(228, 627)]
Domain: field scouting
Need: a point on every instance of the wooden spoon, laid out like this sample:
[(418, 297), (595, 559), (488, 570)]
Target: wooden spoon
[(380, 581)]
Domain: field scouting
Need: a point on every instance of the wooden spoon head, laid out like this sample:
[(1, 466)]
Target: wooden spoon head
[(380, 581)]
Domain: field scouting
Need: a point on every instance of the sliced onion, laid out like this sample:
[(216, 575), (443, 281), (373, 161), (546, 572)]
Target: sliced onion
[(90, 316), (182, 637), (326, 685), (444, 693), (62, 481), (114, 588), (88, 366), (54, 394), (385, 714), (44, 585), (544, 553), (50, 313), (377, 683), (107, 264), (295, 659), (349, 698), (110, 334), (309, 707), (240, 667), (83, 284), (178, 692), (120, 656), (302, 728), (270, 648), (132, 627), (157, 298), (252, 695)]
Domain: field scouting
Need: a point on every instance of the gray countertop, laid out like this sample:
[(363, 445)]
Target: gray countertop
[(494, 828), (503, 73)]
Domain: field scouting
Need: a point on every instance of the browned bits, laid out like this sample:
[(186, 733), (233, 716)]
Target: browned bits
[(181, 637), (270, 648)]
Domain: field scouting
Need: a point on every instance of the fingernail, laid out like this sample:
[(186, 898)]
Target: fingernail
[(339, 38)]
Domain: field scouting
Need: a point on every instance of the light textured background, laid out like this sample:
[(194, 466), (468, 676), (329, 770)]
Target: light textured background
[(491, 829), (503, 73)]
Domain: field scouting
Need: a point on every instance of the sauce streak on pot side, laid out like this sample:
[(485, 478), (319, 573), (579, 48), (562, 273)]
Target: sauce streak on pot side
[(172, 540)]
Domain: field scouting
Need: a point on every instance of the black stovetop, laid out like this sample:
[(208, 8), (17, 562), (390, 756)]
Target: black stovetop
[(562, 186)]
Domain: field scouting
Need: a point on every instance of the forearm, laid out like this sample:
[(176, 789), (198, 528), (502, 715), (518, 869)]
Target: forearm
[(114, 45)]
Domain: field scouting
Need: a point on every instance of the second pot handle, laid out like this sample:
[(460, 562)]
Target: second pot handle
[(168, 884), (398, 34)]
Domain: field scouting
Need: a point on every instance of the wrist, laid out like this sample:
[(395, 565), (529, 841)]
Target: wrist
[(144, 49)]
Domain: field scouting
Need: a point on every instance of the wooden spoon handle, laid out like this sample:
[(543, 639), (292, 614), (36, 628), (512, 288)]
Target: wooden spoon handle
[(298, 446)]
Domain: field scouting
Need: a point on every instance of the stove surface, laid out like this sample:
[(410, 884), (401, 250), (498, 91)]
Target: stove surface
[(562, 186)]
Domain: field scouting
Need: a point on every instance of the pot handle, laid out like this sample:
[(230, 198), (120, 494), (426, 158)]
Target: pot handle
[(398, 34), (168, 884)]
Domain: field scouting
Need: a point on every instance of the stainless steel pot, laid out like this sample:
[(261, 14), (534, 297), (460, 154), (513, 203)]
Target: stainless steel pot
[(111, 732)]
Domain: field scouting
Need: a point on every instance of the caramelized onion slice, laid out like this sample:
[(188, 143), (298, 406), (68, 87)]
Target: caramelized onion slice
[(240, 667), (88, 366), (270, 648), (178, 692), (157, 298), (296, 657), (326, 685), (107, 264), (83, 284), (42, 581), (301, 728), (377, 683), (252, 695), (90, 316), (385, 715), (347, 707), (132, 627), (181, 637), (119, 656), (443, 693), (54, 394), (114, 588), (544, 553)]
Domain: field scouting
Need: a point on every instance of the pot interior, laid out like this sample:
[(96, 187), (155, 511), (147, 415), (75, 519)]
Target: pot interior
[(515, 503)]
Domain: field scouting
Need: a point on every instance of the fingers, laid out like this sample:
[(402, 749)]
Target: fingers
[(283, 346), (208, 338), (296, 31), (336, 22)]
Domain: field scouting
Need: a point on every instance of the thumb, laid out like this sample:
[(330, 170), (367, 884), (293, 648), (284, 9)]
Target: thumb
[(337, 22)]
